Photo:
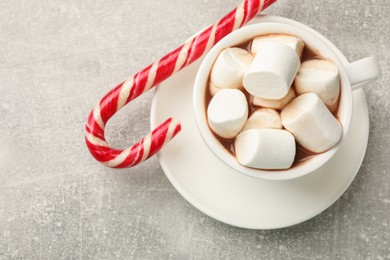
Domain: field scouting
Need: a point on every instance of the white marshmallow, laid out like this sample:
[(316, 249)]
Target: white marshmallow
[(313, 126), (274, 103), (230, 67), (272, 71), (214, 89), (320, 77), (264, 118), (227, 112), (265, 148), (294, 42)]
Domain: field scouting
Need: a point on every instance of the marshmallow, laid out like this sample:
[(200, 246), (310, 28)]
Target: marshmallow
[(295, 43), (265, 148), (227, 112), (272, 71), (214, 89), (313, 126), (274, 103), (320, 77), (230, 67), (264, 118)]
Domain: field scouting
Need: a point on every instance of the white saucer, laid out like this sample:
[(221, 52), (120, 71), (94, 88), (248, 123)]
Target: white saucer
[(237, 199)]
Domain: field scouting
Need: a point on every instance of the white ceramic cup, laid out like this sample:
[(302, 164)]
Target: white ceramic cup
[(352, 76)]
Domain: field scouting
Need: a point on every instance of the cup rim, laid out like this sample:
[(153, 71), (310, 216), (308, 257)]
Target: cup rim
[(285, 26)]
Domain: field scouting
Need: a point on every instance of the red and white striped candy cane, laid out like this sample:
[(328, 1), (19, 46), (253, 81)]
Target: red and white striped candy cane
[(149, 77)]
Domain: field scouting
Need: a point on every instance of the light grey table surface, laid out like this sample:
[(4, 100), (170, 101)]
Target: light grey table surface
[(57, 59)]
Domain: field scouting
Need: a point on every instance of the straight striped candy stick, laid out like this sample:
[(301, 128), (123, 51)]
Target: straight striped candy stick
[(151, 76)]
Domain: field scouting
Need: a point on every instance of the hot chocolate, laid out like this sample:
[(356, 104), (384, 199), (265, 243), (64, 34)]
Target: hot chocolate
[(291, 91)]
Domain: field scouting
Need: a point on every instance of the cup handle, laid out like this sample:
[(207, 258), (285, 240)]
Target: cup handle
[(363, 71)]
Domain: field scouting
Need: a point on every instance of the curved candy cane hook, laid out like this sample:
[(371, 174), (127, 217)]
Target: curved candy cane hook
[(151, 76)]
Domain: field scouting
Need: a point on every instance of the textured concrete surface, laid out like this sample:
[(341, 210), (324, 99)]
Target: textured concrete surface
[(57, 58)]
